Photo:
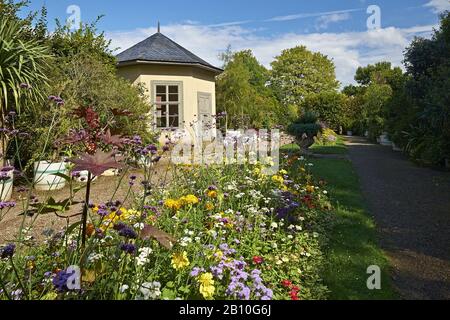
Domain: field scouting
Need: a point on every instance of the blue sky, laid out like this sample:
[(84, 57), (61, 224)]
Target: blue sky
[(206, 27)]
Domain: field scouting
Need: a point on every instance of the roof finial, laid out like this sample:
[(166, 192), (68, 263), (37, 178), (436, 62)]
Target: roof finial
[(159, 27)]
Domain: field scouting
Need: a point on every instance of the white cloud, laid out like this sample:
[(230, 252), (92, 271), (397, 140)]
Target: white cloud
[(309, 15), (438, 6), (349, 50), (324, 21)]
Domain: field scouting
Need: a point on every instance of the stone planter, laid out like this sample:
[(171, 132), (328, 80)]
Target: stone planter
[(6, 186), (110, 173), (349, 133), (45, 178), (82, 176), (366, 134)]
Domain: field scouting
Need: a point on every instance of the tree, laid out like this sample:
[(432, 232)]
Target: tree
[(242, 92), (330, 106), (298, 72), (24, 63), (427, 63)]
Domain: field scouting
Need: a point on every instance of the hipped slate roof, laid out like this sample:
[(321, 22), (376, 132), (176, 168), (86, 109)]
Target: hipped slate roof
[(159, 49)]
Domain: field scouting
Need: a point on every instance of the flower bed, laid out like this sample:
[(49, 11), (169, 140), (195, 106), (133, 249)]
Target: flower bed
[(215, 233)]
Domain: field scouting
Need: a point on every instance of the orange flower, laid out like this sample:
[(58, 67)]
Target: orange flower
[(90, 229)]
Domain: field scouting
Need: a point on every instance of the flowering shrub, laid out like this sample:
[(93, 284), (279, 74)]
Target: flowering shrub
[(225, 232), (326, 138)]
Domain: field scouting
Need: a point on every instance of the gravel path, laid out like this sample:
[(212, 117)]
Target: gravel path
[(411, 206)]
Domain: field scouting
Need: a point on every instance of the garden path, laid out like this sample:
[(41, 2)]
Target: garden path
[(411, 206)]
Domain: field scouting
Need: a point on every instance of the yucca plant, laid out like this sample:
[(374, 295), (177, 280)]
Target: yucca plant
[(23, 65)]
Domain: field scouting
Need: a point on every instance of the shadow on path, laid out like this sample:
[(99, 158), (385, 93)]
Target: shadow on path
[(411, 206)]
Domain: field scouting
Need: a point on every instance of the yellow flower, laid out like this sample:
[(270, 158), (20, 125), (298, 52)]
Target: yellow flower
[(219, 255), (189, 199), (278, 179), (302, 169), (180, 260), (172, 204), (212, 194), (310, 189), (206, 279), (209, 206), (283, 172), (207, 288)]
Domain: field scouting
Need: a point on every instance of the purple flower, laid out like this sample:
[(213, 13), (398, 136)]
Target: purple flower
[(128, 248), (196, 271), (7, 204), (128, 232), (61, 279), (8, 251)]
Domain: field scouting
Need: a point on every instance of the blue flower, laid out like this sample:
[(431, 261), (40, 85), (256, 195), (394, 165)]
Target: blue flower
[(61, 279), (128, 232), (128, 248), (8, 250)]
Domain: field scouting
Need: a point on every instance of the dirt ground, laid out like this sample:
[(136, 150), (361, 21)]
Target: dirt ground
[(102, 190)]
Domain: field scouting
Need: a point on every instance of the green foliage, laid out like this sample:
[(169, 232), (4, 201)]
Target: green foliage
[(298, 73), (21, 62), (428, 65), (65, 42), (369, 104), (331, 107), (243, 94), (305, 127)]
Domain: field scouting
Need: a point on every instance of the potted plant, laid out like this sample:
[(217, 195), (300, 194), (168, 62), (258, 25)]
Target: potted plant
[(305, 129), (6, 183), (50, 167)]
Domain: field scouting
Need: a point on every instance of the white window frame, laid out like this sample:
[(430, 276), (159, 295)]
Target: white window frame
[(167, 84)]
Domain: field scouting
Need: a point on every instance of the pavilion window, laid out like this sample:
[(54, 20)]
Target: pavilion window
[(167, 102)]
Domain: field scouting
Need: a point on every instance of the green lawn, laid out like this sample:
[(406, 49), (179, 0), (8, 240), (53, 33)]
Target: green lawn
[(353, 245), (339, 148)]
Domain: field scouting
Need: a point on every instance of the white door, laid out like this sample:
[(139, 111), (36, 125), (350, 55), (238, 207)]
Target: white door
[(205, 120)]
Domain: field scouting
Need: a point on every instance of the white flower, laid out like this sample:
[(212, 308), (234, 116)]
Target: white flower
[(139, 226), (298, 228), (124, 288), (291, 227), (325, 192), (290, 237), (93, 257), (150, 290), (185, 241), (315, 234), (274, 225), (144, 253)]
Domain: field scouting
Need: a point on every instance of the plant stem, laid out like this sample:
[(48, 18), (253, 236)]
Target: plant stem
[(85, 211)]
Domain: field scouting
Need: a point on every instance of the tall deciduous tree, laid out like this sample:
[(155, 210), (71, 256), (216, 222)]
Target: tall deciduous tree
[(243, 93), (298, 72)]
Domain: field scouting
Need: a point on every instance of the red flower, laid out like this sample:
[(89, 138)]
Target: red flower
[(286, 283), (294, 293), (257, 260)]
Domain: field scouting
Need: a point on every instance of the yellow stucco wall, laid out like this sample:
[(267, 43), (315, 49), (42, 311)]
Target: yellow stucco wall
[(193, 80)]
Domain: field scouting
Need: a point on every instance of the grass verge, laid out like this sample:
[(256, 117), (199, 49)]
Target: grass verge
[(353, 245)]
